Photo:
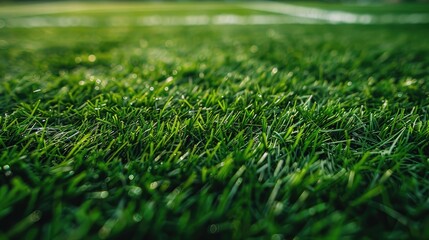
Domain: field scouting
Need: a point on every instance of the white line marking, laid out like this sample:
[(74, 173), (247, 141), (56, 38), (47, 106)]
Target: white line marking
[(99, 7), (286, 14), (156, 20), (335, 17)]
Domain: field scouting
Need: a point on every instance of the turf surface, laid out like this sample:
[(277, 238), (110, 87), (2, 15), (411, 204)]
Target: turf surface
[(273, 131)]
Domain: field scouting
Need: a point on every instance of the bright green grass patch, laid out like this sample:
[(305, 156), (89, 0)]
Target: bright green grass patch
[(221, 131)]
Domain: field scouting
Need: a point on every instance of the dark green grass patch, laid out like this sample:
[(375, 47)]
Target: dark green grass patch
[(206, 132)]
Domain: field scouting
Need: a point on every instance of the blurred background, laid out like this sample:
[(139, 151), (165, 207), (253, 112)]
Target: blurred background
[(332, 1)]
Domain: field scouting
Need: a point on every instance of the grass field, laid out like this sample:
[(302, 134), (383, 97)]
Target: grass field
[(208, 121)]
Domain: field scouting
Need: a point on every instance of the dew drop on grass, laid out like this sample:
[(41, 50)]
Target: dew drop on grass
[(274, 71), (131, 177), (137, 217), (213, 228), (409, 82), (278, 208), (151, 89), (166, 89), (35, 216), (103, 194), (7, 170), (81, 83), (153, 185), (92, 58), (385, 104), (169, 79), (135, 191)]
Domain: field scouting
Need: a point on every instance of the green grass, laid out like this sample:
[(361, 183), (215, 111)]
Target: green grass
[(282, 131)]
